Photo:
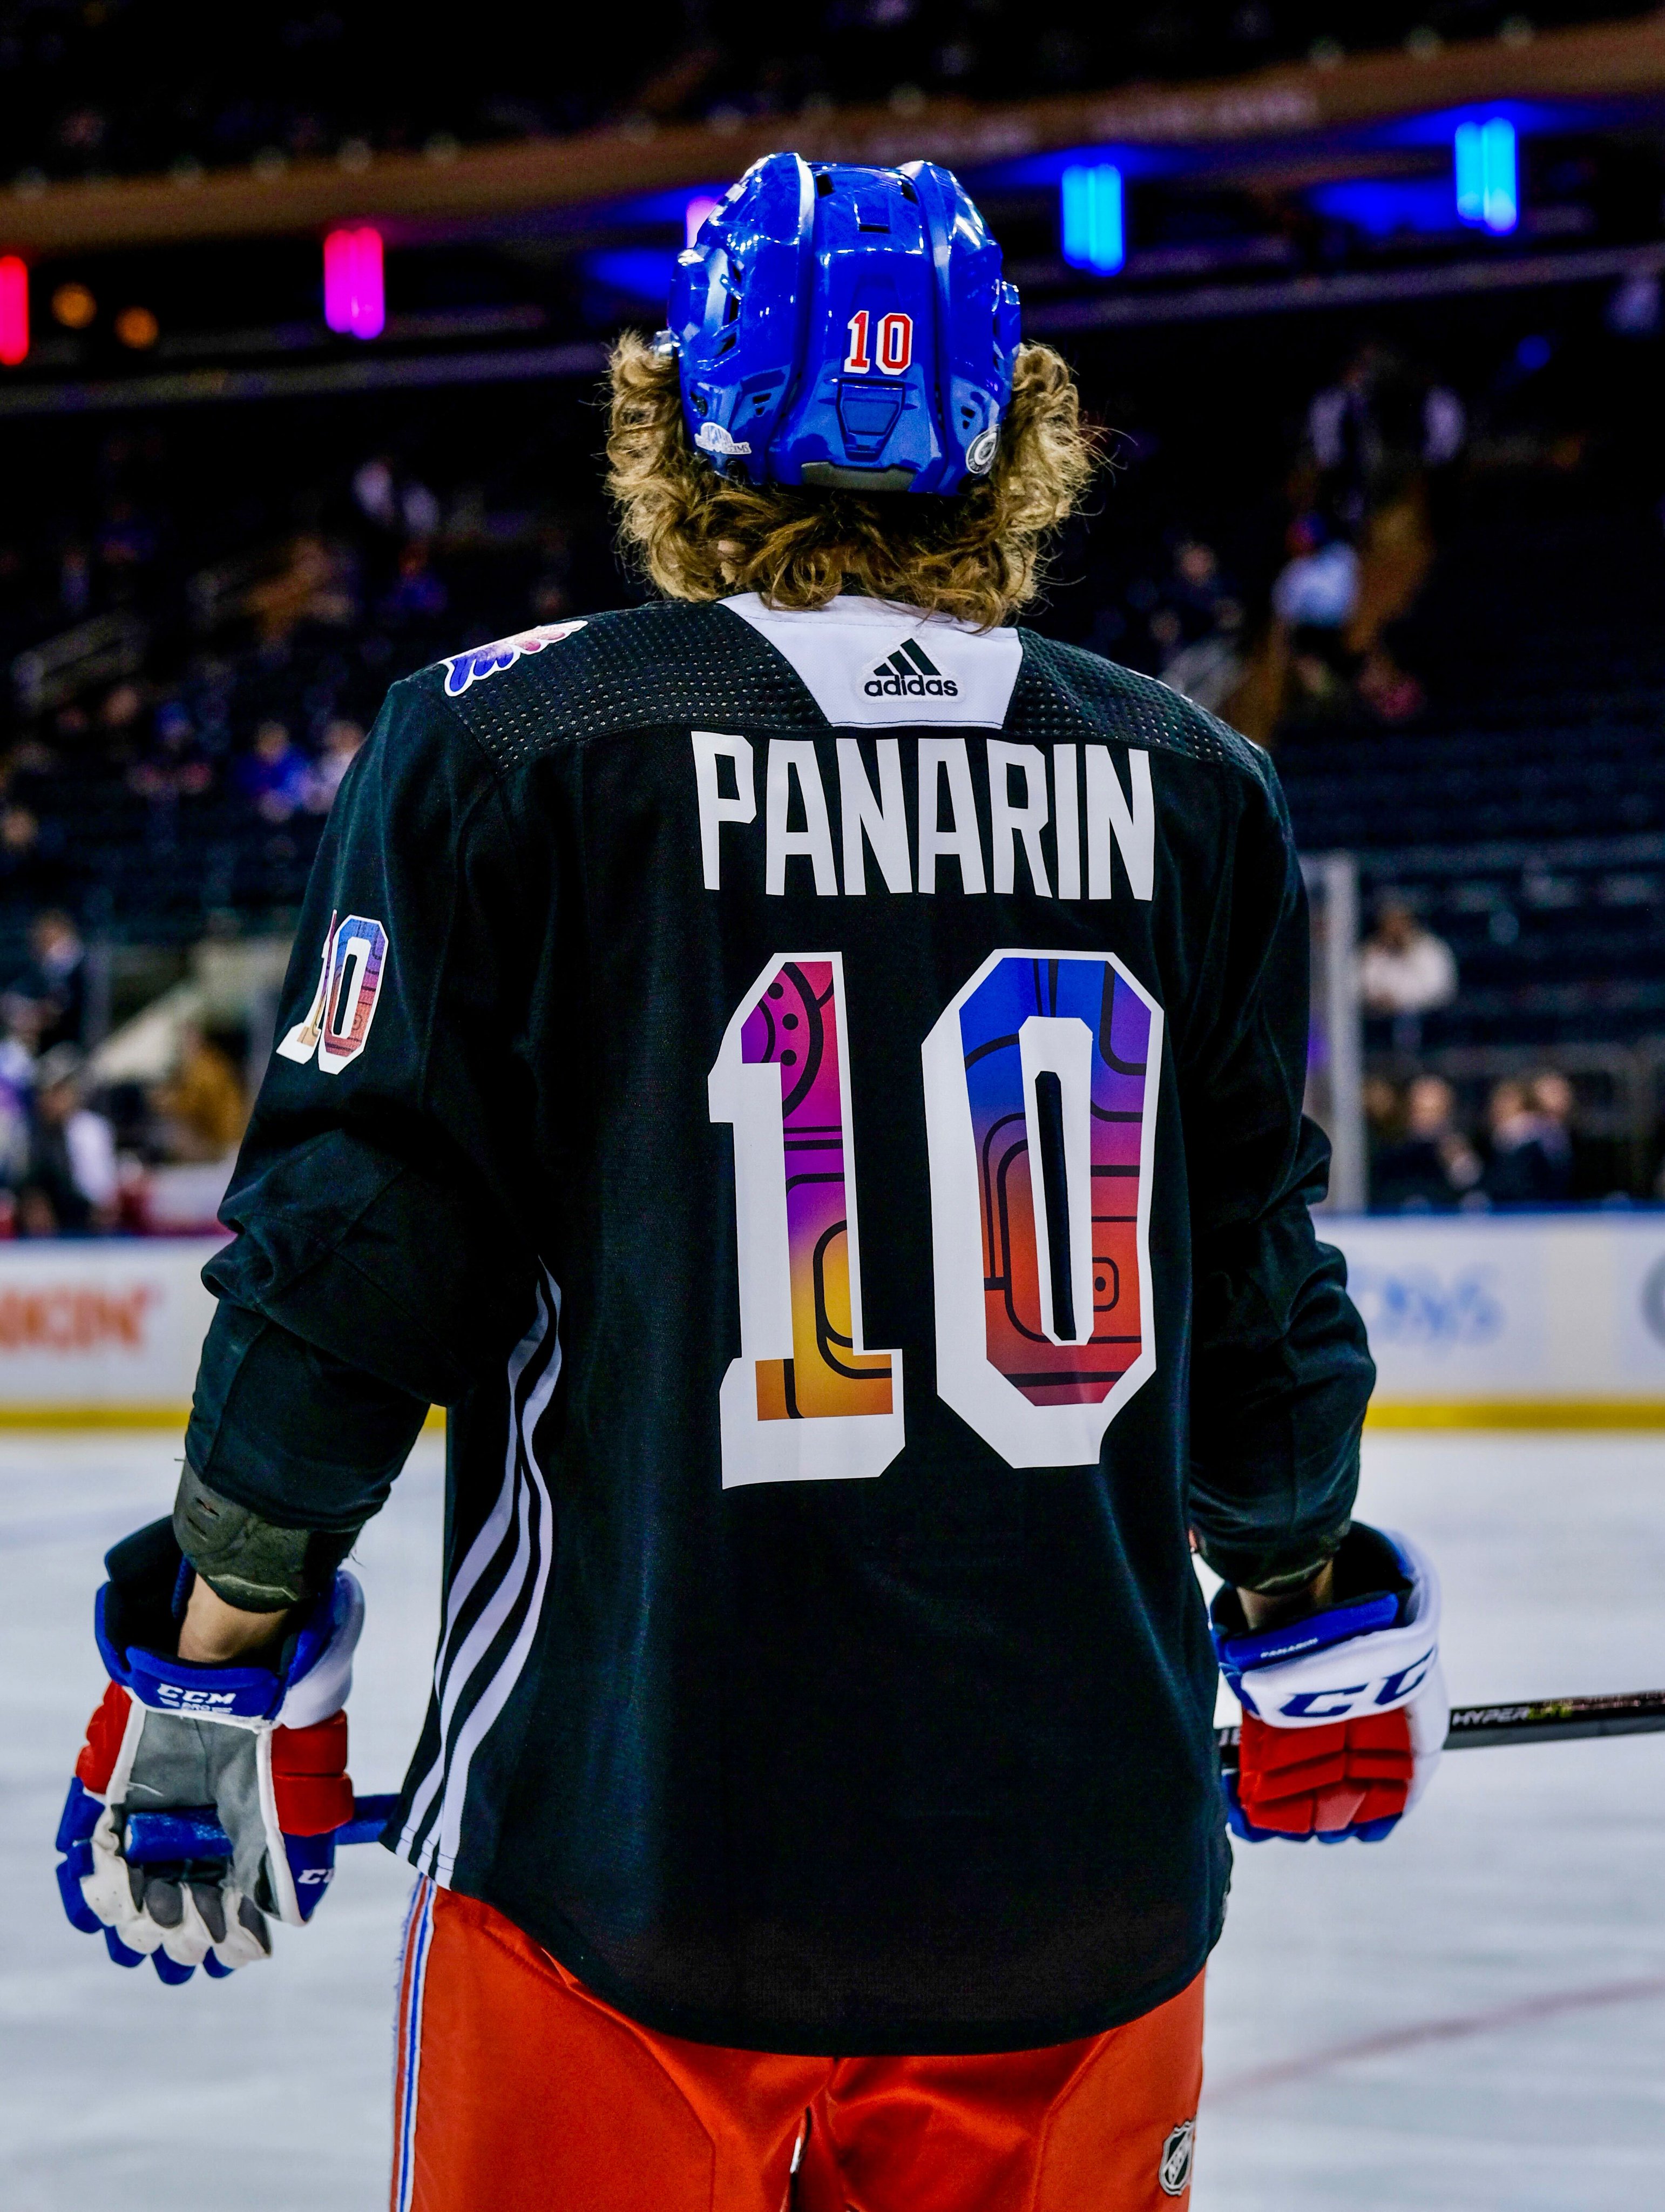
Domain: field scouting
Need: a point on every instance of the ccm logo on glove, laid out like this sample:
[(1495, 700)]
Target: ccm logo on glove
[(1342, 1702), (1344, 1709), (260, 1749)]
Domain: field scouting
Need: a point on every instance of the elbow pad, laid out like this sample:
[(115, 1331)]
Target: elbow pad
[(247, 1561)]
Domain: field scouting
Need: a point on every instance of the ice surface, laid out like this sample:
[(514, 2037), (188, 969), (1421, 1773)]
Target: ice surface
[(267, 2093), (1511, 1934), (1470, 2015)]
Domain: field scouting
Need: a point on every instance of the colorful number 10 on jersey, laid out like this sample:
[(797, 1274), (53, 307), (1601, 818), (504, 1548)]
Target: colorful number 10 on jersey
[(806, 1398), (1041, 1083), (1040, 1111)]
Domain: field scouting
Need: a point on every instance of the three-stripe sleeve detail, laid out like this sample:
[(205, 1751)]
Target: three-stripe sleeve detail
[(493, 1605)]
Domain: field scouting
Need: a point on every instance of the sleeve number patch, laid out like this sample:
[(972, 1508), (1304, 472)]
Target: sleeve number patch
[(1040, 1086), (337, 1025)]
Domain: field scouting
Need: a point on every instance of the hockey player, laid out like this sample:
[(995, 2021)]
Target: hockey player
[(809, 1075)]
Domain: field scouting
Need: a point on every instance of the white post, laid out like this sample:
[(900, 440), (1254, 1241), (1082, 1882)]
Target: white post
[(1335, 1072)]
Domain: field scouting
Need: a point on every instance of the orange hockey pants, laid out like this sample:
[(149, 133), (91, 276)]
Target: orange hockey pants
[(519, 2091)]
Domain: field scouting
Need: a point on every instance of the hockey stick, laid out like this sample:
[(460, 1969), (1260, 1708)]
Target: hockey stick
[(1546, 1720), (196, 1833)]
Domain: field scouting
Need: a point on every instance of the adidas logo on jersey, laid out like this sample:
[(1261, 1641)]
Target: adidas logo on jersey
[(909, 673)]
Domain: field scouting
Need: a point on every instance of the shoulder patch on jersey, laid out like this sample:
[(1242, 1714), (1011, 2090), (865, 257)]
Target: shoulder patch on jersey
[(473, 666), (337, 1027), (642, 668), (1061, 686)]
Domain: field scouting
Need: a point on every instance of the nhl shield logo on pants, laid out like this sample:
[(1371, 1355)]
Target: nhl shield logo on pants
[(1175, 2171)]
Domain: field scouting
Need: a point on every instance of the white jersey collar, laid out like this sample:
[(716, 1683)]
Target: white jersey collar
[(873, 664)]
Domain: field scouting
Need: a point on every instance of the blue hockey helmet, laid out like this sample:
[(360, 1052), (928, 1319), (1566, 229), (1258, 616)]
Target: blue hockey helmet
[(844, 326)]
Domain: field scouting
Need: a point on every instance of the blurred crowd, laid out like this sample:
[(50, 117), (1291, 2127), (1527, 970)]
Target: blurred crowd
[(194, 663), (190, 678), (1423, 1158), (199, 628), (1315, 641), (78, 1153)]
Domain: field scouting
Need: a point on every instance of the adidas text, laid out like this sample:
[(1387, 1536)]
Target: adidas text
[(892, 686), (909, 673)]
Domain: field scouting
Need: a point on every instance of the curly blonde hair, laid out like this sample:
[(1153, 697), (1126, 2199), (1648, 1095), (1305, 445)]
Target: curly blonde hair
[(978, 554)]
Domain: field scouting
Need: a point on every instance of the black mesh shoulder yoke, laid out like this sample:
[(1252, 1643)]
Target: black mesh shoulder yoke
[(642, 668), (674, 664), (1062, 687)]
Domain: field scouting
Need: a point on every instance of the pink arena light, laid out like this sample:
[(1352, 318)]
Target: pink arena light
[(14, 310), (355, 298)]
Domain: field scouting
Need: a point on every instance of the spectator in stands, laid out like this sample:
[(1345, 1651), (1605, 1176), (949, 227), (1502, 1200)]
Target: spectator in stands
[(46, 1006), (419, 594), (1405, 970), (34, 1214), (16, 1105), (202, 1108), (1375, 432), (272, 774), (1313, 599), (70, 1186), (1433, 1166), (120, 710), (1375, 438), (314, 585), (1196, 591), (342, 741), (175, 768), (124, 544), (403, 506), (74, 582), (1531, 1161), (1552, 1098), (31, 871), (1198, 629), (1318, 584)]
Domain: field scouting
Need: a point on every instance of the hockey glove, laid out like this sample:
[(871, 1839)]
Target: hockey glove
[(1344, 1709), (260, 1751)]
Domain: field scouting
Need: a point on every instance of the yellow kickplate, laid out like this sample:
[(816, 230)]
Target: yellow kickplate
[(1390, 1414), (125, 1417), (1518, 1413)]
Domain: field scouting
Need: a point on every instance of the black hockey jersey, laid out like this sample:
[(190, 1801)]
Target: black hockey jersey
[(817, 1096)]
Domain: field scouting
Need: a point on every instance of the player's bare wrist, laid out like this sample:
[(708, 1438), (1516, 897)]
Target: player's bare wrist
[(1266, 1609), (215, 1634)]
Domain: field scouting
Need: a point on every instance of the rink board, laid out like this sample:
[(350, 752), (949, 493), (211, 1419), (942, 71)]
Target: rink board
[(1546, 1321), (1526, 1321), (102, 1333)]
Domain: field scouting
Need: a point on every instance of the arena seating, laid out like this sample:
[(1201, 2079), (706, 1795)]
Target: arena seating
[(1525, 812)]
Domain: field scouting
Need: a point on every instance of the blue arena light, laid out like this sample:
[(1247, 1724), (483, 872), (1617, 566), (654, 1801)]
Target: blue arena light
[(1488, 174), (1090, 201)]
